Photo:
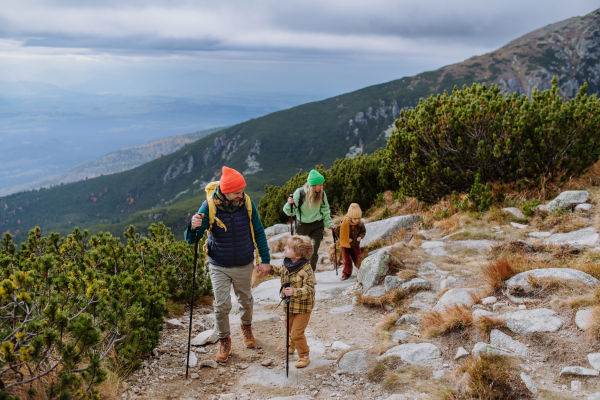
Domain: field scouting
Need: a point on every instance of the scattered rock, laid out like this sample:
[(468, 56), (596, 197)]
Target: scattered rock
[(435, 248), (594, 396), (567, 200), (594, 359), (210, 321), (266, 363), (381, 230), (175, 324), (525, 322), (277, 229), (575, 386), (484, 348), (209, 364), (489, 300), (540, 235), (205, 337), (519, 286), (373, 268), (401, 335), (458, 296), (529, 383), (515, 212), (460, 353), (479, 312), (354, 361), (448, 283), (583, 318), (376, 292), (503, 341), (194, 376), (391, 282), (407, 319), (193, 360), (337, 345), (519, 226), (583, 207), (579, 371), (416, 284), (582, 237), (497, 306), (414, 353)]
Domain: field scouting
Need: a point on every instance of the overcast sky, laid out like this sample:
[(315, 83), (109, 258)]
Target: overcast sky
[(310, 45)]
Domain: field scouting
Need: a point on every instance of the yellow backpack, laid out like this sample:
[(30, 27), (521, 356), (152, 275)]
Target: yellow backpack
[(212, 211)]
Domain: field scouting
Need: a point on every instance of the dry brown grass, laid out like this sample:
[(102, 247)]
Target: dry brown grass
[(393, 298), (407, 274), (497, 272), (494, 378), (453, 319), (593, 331), (406, 377), (561, 222), (449, 225), (485, 324)]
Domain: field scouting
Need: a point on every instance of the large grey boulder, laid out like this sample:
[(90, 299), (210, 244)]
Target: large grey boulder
[(583, 318), (374, 268), (277, 229), (384, 229), (503, 341), (581, 237), (519, 285), (568, 199), (458, 296), (484, 348), (515, 212), (354, 361), (529, 321), (414, 353)]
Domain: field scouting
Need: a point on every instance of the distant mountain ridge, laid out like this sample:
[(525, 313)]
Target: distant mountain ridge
[(271, 149), (116, 161)]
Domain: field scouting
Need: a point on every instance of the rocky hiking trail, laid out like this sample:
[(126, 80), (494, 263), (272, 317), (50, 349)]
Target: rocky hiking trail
[(351, 342)]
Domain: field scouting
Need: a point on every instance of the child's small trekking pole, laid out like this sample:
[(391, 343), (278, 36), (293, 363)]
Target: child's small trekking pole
[(187, 363), (335, 261), (292, 216), (287, 331)]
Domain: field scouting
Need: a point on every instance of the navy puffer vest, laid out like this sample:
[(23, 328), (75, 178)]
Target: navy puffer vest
[(235, 247)]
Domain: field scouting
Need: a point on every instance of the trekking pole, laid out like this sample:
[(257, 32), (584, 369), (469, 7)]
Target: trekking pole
[(187, 363), (287, 331), (292, 216), (335, 260)]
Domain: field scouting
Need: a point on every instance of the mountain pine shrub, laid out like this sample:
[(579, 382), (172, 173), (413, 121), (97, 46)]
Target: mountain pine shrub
[(350, 180), (441, 145), (67, 303)]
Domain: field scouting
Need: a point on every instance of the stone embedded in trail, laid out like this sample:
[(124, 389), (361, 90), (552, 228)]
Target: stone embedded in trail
[(391, 282), (209, 364), (594, 396), (205, 337), (384, 229), (193, 360), (489, 300), (401, 335), (458, 296), (503, 341), (515, 212), (582, 237), (568, 199), (407, 319), (374, 268), (583, 318), (529, 321), (376, 292), (583, 207), (579, 371), (414, 353), (174, 323), (519, 226), (484, 348), (594, 359), (529, 383), (480, 313), (540, 235), (448, 283), (435, 248), (519, 286), (337, 345), (460, 353), (416, 284), (277, 229), (354, 361)]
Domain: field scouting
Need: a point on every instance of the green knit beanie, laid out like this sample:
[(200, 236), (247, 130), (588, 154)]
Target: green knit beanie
[(315, 178)]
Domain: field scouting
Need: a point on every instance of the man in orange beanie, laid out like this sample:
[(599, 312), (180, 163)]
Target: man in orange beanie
[(235, 234)]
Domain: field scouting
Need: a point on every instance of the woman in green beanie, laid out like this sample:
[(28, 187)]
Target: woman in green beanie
[(311, 210)]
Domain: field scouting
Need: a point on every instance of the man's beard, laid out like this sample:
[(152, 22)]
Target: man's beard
[(236, 202)]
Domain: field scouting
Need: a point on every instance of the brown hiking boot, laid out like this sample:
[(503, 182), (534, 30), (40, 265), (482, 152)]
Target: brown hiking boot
[(302, 362), (248, 336), (224, 350)]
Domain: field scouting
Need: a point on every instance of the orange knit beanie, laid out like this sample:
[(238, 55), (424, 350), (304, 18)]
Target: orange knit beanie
[(231, 181)]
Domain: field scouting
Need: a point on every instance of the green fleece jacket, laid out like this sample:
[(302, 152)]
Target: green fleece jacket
[(311, 214)]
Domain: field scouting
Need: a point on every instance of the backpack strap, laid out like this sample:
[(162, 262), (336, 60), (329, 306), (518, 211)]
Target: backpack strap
[(249, 208), (212, 210)]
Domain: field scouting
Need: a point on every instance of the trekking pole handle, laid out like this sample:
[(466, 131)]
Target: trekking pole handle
[(287, 285)]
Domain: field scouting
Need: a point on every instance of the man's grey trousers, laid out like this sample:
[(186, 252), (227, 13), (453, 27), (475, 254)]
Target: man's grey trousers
[(222, 278)]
